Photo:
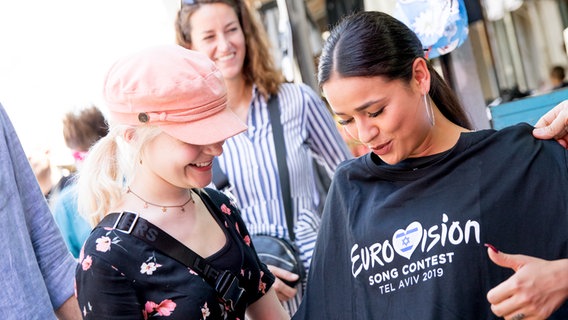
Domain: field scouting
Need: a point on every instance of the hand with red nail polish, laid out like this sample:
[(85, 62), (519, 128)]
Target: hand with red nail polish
[(554, 124), (537, 288)]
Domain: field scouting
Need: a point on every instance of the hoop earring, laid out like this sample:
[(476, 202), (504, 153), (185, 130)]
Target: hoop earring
[(429, 110)]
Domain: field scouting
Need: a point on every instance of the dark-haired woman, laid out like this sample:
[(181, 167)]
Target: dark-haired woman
[(404, 228)]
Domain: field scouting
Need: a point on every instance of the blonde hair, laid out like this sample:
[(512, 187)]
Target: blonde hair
[(258, 66), (108, 168)]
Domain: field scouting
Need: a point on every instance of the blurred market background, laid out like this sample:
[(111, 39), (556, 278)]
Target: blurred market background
[(53, 54)]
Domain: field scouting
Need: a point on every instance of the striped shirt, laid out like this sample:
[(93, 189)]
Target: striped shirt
[(249, 161)]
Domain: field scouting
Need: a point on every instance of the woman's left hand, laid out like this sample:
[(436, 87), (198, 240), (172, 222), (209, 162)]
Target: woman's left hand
[(283, 291), (554, 124), (535, 291)]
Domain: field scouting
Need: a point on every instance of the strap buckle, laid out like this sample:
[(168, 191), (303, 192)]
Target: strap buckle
[(129, 224), (227, 285)]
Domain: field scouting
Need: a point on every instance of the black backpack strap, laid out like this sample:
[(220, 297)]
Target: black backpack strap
[(283, 173), (224, 282), (221, 181), (219, 178)]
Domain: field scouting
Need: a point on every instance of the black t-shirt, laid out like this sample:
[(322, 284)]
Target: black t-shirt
[(407, 241), (120, 276)]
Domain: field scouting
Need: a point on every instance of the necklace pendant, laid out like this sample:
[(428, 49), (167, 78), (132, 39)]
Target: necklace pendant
[(163, 208)]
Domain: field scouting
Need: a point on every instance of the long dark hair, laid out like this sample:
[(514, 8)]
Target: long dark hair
[(370, 44)]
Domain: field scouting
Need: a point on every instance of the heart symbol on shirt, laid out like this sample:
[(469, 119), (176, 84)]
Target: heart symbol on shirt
[(405, 241)]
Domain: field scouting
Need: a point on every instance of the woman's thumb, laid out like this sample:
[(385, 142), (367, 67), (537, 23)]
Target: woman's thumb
[(511, 261), (553, 123)]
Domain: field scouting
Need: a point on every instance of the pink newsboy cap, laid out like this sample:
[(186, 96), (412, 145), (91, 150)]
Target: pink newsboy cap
[(177, 89)]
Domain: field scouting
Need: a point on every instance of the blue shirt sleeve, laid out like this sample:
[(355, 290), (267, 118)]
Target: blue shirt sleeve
[(36, 270)]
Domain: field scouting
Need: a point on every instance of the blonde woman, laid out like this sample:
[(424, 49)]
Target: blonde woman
[(142, 188)]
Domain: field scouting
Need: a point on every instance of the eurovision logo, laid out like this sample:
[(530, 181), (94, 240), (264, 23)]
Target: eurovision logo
[(405, 242)]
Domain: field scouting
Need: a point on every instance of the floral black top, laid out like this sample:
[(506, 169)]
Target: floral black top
[(120, 276)]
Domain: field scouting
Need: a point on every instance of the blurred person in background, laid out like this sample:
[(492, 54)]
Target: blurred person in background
[(50, 179), (557, 77), (81, 129)]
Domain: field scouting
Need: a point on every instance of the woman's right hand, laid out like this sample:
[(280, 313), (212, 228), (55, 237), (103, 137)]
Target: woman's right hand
[(535, 291), (554, 124)]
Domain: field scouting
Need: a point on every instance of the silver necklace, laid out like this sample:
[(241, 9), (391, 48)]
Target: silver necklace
[(164, 208)]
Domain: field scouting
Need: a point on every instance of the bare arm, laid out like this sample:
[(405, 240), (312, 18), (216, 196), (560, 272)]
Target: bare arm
[(69, 310), (283, 291), (267, 308)]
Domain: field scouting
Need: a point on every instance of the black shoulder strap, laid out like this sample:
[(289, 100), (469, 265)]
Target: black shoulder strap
[(221, 181), (219, 178), (280, 148), (225, 283)]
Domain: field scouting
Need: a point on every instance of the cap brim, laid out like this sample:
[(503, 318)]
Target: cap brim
[(213, 129)]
